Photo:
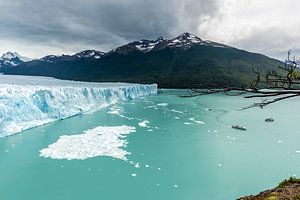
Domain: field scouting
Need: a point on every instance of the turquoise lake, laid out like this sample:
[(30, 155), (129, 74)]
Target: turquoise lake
[(178, 156)]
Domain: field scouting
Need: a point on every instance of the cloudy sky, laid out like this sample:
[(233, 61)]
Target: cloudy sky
[(35, 28)]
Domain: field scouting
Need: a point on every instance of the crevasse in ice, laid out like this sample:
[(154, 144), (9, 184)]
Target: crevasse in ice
[(27, 102)]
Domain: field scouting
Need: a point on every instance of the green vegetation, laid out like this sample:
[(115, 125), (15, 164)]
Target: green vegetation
[(289, 181)]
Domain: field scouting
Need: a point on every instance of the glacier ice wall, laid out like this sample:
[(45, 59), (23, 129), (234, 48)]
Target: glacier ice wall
[(27, 102)]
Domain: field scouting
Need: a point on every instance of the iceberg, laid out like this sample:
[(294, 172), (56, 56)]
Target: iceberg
[(100, 141), (27, 102)]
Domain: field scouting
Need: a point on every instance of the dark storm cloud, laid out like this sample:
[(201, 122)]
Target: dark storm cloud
[(100, 23)]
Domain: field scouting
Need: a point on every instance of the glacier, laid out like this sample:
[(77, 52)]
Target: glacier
[(27, 102)]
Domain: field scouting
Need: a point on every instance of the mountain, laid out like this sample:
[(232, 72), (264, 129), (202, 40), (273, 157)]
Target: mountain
[(9, 59), (182, 62), (183, 41)]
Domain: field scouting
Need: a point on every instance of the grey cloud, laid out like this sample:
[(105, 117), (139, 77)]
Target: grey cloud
[(274, 42), (99, 23)]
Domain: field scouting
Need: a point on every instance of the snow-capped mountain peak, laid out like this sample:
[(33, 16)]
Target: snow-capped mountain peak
[(90, 54), (11, 55), (12, 59), (185, 39), (148, 45), (189, 37)]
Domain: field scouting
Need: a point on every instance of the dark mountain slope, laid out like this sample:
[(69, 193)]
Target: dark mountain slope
[(182, 62)]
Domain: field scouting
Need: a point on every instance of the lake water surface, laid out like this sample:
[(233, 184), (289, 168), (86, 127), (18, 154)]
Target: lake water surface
[(182, 148)]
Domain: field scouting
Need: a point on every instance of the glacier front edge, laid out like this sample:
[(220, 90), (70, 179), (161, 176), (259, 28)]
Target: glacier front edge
[(27, 102)]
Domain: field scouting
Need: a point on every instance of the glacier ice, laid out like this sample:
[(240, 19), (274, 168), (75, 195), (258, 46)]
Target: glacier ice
[(27, 102), (100, 141)]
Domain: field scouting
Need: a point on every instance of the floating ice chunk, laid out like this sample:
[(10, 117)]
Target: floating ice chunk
[(196, 121), (133, 174), (144, 124), (162, 104), (279, 141), (137, 165), (100, 141), (297, 151), (231, 138), (219, 165), (114, 112), (175, 186), (177, 111), (187, 123), (117, 111), (151, 106), (146, 166), (176, 118)]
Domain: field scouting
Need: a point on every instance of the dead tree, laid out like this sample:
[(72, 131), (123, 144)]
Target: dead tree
[(282, 84)]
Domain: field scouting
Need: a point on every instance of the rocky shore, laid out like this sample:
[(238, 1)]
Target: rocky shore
[(287, 190)]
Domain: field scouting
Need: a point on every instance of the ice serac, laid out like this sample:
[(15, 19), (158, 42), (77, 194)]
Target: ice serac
[(27, 102)]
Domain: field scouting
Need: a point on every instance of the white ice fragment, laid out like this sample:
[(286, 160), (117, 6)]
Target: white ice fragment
[(100, 141), (118, 111), (196, 121), (177, 111), (162, 104), (133, 174), (144, 124), (137, 165)]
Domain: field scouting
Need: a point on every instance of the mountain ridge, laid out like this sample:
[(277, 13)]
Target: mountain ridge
[(181, 62)]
